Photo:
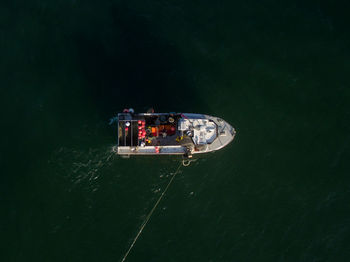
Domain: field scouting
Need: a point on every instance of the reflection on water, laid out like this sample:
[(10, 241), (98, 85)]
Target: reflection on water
[(82, 167)]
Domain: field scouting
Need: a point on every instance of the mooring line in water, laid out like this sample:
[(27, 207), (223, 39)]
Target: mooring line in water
[(150, 214)]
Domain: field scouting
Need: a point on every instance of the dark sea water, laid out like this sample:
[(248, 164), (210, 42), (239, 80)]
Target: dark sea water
[(278, 71)]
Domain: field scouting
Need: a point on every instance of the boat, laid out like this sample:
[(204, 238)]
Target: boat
[(184, 134)]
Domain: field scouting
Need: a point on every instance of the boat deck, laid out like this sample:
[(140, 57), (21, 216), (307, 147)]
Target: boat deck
[(157, 130)]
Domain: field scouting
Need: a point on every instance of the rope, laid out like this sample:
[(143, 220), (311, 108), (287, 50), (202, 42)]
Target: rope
[(150, 214), (186, 162)]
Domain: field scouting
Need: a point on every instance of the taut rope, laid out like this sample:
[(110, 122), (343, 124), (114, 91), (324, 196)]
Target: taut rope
[(150, 214)]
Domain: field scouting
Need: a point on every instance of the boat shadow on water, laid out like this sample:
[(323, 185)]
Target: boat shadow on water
[(130, 64)]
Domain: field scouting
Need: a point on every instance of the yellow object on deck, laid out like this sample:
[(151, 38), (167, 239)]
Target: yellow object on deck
[(179, 138)]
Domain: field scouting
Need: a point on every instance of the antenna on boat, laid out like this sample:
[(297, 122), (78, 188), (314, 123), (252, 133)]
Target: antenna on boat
[(150, 214)]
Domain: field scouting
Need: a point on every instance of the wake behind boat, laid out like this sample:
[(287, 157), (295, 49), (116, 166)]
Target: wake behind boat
[(171, 133)]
